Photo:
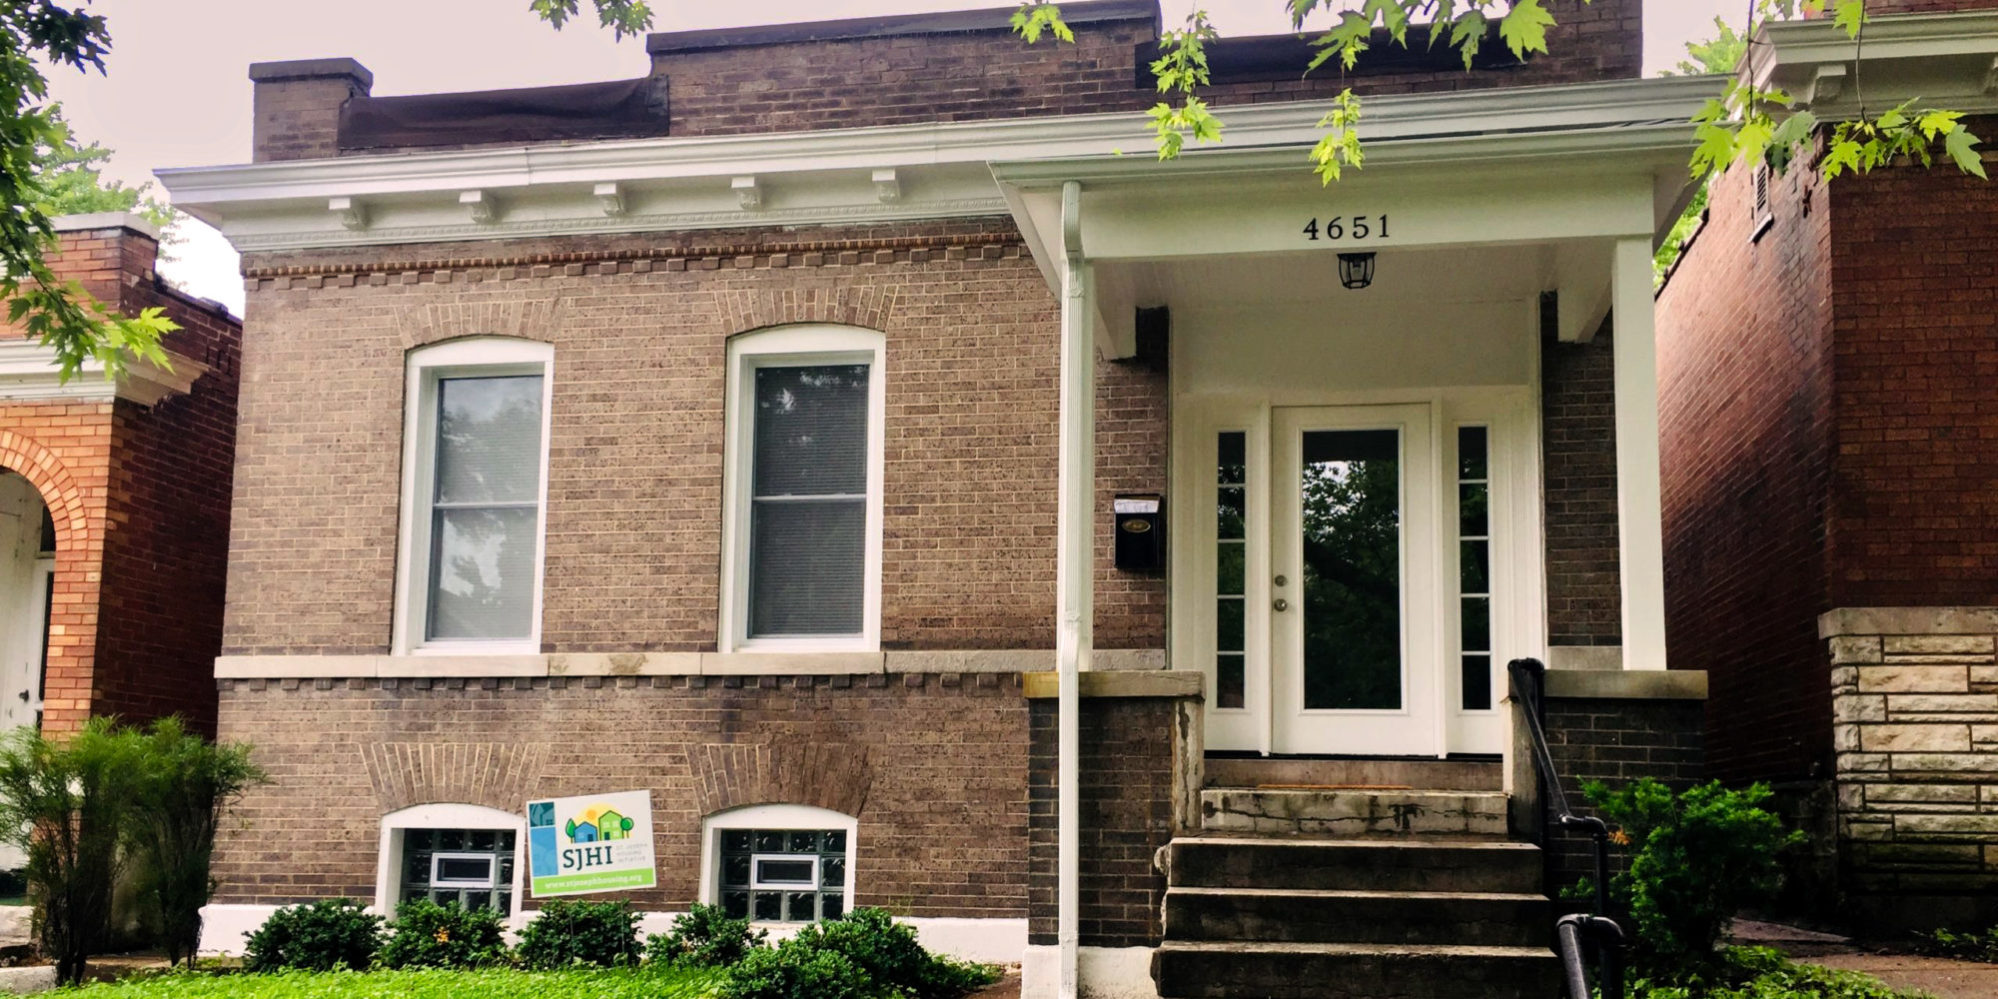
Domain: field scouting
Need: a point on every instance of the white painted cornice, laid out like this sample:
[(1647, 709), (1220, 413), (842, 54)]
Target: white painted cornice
[(1945, 60), (939, 170), (28, 372)]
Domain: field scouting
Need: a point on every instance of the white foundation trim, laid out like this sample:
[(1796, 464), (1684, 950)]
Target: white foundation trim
[(1105, 972)]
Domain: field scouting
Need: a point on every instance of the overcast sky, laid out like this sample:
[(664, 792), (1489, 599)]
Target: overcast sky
[(178, 93)]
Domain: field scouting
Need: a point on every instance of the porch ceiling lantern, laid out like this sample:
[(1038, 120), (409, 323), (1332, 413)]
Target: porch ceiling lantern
[(1356, 270)]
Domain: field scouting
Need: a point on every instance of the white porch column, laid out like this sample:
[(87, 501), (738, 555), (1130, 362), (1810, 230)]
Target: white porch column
[(1073, 570), (1640, 514)]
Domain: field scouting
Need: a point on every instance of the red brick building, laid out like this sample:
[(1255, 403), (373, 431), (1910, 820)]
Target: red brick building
[(1830, 447), (114, 503), (833, 435)]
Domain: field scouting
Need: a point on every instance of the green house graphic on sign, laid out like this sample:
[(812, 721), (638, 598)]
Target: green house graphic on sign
[(598, 824)]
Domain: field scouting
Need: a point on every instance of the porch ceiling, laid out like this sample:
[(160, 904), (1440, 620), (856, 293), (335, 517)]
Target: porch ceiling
[(1414, 275)]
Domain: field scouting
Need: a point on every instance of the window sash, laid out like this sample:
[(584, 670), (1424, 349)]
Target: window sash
[(510, 615), (823, 593)]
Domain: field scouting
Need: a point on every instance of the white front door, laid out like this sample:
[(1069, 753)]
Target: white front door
[(1355, 648), (24, 593)]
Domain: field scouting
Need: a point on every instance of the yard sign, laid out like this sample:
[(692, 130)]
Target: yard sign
[(598, 842)]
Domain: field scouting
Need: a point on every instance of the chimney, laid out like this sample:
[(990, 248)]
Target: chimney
[(296, 107), (106, 253)]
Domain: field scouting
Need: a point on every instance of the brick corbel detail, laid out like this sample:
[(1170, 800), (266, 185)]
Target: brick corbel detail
[(524, 318), (497, 775), (832, 776)]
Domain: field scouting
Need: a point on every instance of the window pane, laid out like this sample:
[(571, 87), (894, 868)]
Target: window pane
[(801, 906), (1231, 502), (482, 573), (804, 842), (769, 906), (1471, 509), (785, 872), (1475, 569), (735, 871), (1477, 683), (770, 842), (836, 841), (1228, 568), (1233, 447), (832, 873), (455, 869), (811, 431), (736, 840), (736, 904), (1228, 625), (1477, 624), (489, 439), (806, 567), (831, 906), (1229, 685), (1352, 569), (1471, 457)]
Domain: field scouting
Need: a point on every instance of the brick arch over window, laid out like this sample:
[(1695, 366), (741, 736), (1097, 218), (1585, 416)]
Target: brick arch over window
[(522, 318), (497, 775), (753, 309), (833, 776), (60, 492)]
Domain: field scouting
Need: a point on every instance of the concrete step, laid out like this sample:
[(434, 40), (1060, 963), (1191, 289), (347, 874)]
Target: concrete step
[(1352, 813), (1208, 970), (1484, 919), (1434, 775), (1385, 864)]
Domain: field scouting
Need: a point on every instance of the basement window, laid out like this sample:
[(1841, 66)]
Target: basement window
[(780, 863)]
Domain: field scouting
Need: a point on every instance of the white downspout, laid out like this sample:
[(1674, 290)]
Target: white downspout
[(1073, 601)]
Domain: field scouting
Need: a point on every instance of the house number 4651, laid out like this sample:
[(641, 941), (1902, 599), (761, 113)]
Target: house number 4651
[(1340, 227)]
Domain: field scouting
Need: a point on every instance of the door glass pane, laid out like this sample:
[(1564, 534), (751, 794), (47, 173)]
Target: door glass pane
[(1352, 569)]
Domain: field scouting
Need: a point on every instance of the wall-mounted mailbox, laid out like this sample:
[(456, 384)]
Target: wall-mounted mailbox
[(1140, 532)]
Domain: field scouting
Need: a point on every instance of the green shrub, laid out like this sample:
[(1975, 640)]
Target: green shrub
[(328, 934), (1762, 973), (427, 935), (186, 783), (704, 938), (1696, 859), (888, 952), (797, 969), (1973, 945), (591, 934)]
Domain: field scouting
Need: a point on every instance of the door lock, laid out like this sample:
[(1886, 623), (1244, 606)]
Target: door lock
[(1280, 605), (1281, 580)]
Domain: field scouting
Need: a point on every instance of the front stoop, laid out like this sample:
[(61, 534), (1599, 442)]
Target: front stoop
[(1399, 901)]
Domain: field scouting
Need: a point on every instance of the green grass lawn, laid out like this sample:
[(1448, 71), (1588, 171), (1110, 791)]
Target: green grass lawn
[(636, 983)]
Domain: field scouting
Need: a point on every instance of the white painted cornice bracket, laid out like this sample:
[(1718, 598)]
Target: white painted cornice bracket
[(887, 187), (481, 206), (611, 197), (1826, 87), (748, 193), (352, 214)]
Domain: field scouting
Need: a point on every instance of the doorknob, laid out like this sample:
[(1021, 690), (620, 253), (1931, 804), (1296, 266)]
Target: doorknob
[(1280, 605)]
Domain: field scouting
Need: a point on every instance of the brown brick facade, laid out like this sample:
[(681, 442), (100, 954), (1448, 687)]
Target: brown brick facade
[(140, 498), (1616, 741), (934, 767), (634, 524), (1578, 462)]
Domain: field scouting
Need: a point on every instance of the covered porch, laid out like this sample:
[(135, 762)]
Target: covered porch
[(1357, 505)]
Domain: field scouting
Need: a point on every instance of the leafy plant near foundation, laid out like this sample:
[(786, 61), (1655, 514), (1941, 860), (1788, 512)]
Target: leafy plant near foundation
[(1697, 858), (1762, 973), (325, 935), (705, 937), (185, 784), (581, 934), (427, 935), (861, 955), (1971, 945), (496, 983)]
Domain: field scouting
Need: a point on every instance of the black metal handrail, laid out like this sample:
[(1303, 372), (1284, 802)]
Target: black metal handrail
[(1575, 933)]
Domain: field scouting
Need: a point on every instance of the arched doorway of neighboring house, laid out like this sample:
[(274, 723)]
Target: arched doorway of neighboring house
[(27, 586)]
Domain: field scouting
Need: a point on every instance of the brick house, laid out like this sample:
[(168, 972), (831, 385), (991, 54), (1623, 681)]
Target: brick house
[(114, 503), (832, 434), (1830, 444)]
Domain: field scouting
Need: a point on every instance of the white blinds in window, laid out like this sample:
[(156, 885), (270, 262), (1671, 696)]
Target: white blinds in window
[(485, 507), (808, 504)]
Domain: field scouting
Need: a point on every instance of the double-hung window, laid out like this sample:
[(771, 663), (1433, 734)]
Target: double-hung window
[(475, 474), (803, 524)]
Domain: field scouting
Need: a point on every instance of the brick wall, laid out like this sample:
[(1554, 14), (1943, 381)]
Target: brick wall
[(1578, 463), (1915, 695), (1127, 795), (1914, 509), (1617, 741), (933, 767), (640, 329), (141, 502), (1875, 8), (1745, 434)]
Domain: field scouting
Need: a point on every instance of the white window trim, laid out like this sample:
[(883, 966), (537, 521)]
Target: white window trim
[(781, 816), (388, 861), (780, 347), (473, 357)]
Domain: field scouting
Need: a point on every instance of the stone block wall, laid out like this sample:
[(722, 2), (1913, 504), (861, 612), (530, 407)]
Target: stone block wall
[(1915, 705)]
